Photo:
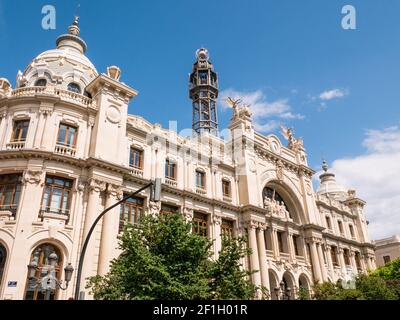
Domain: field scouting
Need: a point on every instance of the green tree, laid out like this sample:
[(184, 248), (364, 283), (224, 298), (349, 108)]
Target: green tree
[(390, 271), (162, 259)]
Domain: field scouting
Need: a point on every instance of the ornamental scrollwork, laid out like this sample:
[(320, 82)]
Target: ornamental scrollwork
[(32, 176)]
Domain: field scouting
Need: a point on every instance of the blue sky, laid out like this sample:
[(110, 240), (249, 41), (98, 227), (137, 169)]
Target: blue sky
[(337, 88)]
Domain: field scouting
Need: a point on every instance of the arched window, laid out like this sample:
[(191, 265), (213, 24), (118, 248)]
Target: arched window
[(272, 194), (3, 257), (40, 257), (41, 83), (73, 87)]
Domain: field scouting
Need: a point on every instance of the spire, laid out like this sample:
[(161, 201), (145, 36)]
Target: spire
[(72, 39)]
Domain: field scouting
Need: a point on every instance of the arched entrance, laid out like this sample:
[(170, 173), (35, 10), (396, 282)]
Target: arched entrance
[(288, 286), (273, 285), (304, 287), (3, 258), (40, 257)]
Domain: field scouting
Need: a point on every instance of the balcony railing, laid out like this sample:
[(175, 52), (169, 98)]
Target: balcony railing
[(63, 94), (201, 191), (10, 208), (137, 172), (50, 211), (227, 198), (15, 145), (171, 182), (65, 150)]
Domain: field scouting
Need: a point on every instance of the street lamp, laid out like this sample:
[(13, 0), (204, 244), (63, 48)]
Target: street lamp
[(49, 283)]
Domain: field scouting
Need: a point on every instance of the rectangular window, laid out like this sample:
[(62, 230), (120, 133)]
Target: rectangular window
[(170, 169), (168, 209), (351, 230), (10, 191), (340, 224), (226, 188), (296, 245), (67, 135), (136, 158), (328, 223), (20, 131), (200, 179), (358, 260), (200, 224), (227, 228), (280, 241), (346, 255), (334, 256), (57, 195), (131, 211), (386, 259)]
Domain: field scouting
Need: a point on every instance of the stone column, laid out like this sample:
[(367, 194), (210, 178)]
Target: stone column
[(110, 228), (329, 259), (292, 254), (217, 235), (89, 129), (275, 246), (254, 261), (315, 262), (324, 272), (353, 261), (92, 211), (341, 260), (3, 127), (262, 256)]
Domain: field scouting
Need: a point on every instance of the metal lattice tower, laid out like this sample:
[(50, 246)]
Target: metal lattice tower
[(203, 90)]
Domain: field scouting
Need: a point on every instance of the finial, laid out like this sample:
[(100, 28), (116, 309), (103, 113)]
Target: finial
[(202, 54), (325, 166), (73, 28)]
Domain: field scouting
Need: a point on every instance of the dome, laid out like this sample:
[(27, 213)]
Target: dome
[(329, 185), (63, 65)]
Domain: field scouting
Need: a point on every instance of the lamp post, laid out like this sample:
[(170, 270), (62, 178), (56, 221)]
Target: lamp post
[(49, 282), (155, 195)]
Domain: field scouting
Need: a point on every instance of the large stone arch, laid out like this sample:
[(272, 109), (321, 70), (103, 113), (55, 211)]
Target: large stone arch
[(273, 283), (289, 283), (290, 198), (4, 255)]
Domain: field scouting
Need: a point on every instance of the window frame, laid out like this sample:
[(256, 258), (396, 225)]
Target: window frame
[(226, 182), (4, 184), (136, 204), (169, 206), (66, 138), (53, 186), (20, 131), (77, 86), (227, 228), (202, 174), (200, 224), (132, 159), (170, 165)]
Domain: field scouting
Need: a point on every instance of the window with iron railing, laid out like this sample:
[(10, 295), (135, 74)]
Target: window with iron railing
[(131, 211), (200, 179), (57, 196), (334, 256), (10, 191)]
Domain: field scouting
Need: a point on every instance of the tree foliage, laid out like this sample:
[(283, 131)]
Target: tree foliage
[(162, 259)]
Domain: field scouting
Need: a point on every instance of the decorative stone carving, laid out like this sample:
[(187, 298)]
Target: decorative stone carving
[(279, 170), (217, 219), (154, 208), (295, 144), (96, 185), (276, 208), (113, 114), (188, 213), (32, 176)]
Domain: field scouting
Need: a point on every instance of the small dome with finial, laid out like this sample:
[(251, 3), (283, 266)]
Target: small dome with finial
[(329, 185), (202, 54)]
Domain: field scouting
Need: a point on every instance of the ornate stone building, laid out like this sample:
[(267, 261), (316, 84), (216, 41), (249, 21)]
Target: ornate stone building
[(69, 149), (387, 250)]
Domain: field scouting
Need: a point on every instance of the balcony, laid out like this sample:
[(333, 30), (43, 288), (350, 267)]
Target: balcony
[(171, 182), (15, 145), (201, 191), (227, 198), (62, 94), (8, 212), (136, 171), (54, 213), (65, 150)]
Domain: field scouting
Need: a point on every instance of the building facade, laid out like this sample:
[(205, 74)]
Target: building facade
[(387, 250), (69, 149)]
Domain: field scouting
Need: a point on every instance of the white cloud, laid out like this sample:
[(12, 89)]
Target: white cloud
[(376, 176), (262, 109), (332, 94)]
